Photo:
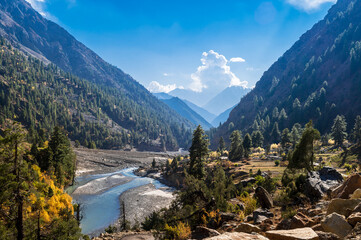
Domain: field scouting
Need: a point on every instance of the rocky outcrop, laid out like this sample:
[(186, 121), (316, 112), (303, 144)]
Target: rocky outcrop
[(247, 228), (264, 198), (204, 232), (342, 206), (319, 182), (336, 224), (238, 236), (299, 234), (348, 187), (260, 215)]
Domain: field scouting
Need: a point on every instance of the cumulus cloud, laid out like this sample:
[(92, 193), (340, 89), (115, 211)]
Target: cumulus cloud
[(215, 73), (237, 59), (309, 5), (156, 87)]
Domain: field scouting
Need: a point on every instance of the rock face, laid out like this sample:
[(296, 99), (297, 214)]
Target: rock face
[(264, 198), (319, 182), (348, 187), (247, 228), (342, 206), (336, 224), (238, 236), (299, 233), (260, 215)]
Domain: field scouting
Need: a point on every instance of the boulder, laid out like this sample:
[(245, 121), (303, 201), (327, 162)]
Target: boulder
[(348, 187), (354, 218), (327, 236), (300, 220), (355, 234), (204, 232), (264, 198), (260, 215), (238, 236), (226, 217), (337, 224), (319, 182), (342, 206), (247, 228), (356, 194), (299, 234), (317, 227), (357, 208)]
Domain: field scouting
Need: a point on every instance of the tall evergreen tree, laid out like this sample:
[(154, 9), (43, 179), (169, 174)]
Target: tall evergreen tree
[(198, 151), (222, 145), (338, 130), (247, 144), (356, 132), (257, 139), (303, 155), (275, 134), (236, 149), (286, 138)]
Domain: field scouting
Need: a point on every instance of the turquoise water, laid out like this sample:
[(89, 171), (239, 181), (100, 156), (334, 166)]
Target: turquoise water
[(99, 211)]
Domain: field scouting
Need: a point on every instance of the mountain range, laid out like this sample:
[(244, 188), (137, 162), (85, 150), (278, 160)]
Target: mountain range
[(26, 30), (316, 79)]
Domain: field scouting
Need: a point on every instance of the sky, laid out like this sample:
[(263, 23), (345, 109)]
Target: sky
[(196, 45)]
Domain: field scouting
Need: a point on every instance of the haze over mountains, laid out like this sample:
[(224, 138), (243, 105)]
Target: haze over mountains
[(317, 78)]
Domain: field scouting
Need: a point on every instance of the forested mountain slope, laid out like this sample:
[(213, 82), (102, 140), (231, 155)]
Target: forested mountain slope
[(138, 111), (318, 78), (41, 97)]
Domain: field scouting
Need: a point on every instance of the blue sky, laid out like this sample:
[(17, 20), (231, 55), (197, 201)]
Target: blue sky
[(191, 44)]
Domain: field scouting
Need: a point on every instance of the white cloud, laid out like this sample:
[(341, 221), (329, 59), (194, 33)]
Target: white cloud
[(156, 87), (309, 5), (215, 73), (38, 6), (237, 59)]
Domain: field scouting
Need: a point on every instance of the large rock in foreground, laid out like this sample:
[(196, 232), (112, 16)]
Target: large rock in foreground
[(348, 187), (336, 224), (238, 236), (294, 234), (319, 182), (342, 206), (264, 198)]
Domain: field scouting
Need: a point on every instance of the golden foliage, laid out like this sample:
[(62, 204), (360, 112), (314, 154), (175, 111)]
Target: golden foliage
[(181, 231)]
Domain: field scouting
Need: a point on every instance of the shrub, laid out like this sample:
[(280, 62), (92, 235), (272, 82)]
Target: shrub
[(277, 163), (288, 213), (347, 166), (250, 204), (179, 232)]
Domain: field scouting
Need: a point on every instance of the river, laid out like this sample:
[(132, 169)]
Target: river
[(101, 210)]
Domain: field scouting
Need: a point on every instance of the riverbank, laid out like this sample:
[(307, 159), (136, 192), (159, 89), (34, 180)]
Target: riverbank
[(140, 202)]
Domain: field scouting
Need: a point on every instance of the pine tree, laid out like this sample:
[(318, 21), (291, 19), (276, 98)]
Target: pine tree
[(198, 151), (257, 139), (356, 132), (247, 144), (275, 134), (303, 155), (286, 138), (222, 145), (236, 149), (338, 130)]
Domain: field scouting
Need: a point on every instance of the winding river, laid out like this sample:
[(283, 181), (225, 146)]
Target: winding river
[(101, 210)]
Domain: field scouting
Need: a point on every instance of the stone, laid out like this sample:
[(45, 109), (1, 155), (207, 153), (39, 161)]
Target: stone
[(327, 236), (357, 208), (336, 223), (354, 218), (238, 236), (342, 206), (285, 224), (264, 198), (317, 227), (245, 182), (348, 187), (204, 232), (293, 234), (356, 194), (300, 221), (319, 182), (355, 234), (226, 217), (247, 228), (260, 215)]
